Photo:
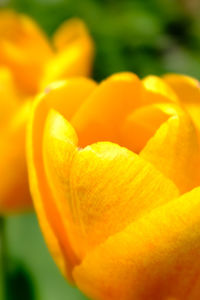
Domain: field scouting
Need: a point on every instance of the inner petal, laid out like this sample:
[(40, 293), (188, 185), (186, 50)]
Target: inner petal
[(142, 123), (101, 115)]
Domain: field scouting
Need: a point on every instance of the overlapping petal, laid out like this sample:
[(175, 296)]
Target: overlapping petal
[(157, 90), (188, 92), (106, 173), (156, 257), (101, 186), (174, 150), (59, 171), (141, 124), (101, 115)]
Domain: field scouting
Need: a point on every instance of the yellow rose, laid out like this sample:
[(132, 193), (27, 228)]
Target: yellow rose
[(27, 64), (114, 174)]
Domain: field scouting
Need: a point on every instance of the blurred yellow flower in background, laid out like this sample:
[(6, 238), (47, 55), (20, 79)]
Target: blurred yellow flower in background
[(114, 174), (27, 64), (25, 49)]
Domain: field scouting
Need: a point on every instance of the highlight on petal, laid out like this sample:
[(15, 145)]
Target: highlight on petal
[(187, 88), (157, 90), (101, 115), (75, 51), (14, 189), (188, 92), (174, 150), (155, 257)]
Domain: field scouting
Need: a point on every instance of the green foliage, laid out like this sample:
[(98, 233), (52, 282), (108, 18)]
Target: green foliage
[(33, 274)]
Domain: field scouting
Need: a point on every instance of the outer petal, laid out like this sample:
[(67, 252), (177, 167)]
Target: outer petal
[(188, 91), (156, 257), (51, 222), (23, 48), (14, 189), (75, 52), (100, 117), (174, 150), (109, 188)]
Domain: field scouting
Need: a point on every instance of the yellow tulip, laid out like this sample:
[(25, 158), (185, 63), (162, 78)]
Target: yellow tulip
[(114, 172), (25, 49), (27, 64)]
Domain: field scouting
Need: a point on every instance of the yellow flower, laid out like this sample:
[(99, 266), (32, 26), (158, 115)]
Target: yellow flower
[(27, 64), (114, 171), (24, 48)]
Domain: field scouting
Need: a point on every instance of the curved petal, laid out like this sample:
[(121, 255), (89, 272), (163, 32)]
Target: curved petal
[(69, 32), (157, 90), (14, 189), (156, 257), (186, 88), (98, 190), (75, 53), (142, 123), (110, 187), (57, 95), (100, 117), (188, 91), (174, 150), (67, 96)]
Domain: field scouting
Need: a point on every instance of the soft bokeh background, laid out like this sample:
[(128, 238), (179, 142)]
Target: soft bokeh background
[(151, 36)]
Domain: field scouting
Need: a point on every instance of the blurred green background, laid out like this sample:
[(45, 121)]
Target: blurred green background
[(148, 36)]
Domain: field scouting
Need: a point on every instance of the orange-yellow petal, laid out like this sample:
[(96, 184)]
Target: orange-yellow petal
[(101, 115), (157, 90), (75, 51), (174, 150), (188, 92), (14, 188), (186, 88), (8, 97), (142, 123), (66, 96), (156, 257), (69, 32)]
